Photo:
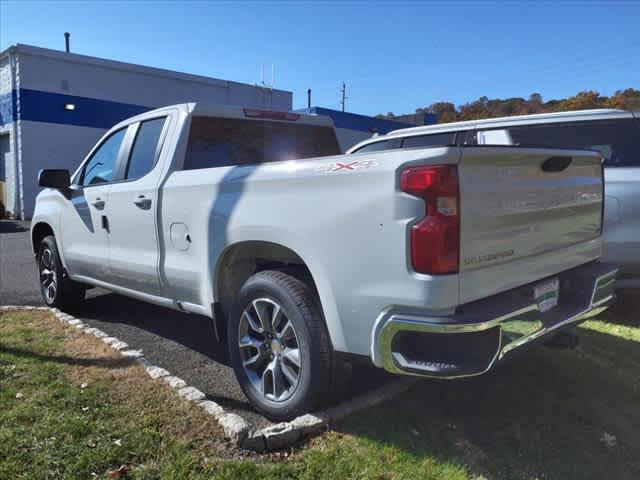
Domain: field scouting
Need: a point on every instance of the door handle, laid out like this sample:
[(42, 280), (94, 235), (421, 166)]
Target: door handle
[(98, 203), (143, 202)]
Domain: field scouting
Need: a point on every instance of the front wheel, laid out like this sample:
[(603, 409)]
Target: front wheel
[(279, 346), (57, 290)]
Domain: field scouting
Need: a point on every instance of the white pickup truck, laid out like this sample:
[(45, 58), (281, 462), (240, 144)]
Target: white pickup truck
[(434, 258)]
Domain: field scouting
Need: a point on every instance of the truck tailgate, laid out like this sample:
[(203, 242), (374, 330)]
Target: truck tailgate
[(526, 214)]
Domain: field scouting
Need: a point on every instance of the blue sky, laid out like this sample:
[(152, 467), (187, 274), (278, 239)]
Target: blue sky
[(393, 56)]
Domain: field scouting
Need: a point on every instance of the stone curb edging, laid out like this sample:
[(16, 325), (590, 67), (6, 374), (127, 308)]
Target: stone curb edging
[(236, 428), (285, 434)]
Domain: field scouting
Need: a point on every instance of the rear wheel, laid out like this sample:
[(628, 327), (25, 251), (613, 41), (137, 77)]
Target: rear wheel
[(279, 347), (57, 290)]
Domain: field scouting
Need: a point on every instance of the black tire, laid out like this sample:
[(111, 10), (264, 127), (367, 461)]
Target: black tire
[(56, 288), (298, 305)]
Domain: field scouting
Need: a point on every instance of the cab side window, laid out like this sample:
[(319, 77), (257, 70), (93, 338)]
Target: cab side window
[(101, 166), (380, 146), (432, 140), (145, 150)]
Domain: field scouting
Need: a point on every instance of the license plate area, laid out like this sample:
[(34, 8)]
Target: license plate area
[(546, 294)]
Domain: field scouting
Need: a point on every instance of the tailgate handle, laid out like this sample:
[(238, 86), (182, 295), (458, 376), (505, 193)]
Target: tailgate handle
[(556, 164)]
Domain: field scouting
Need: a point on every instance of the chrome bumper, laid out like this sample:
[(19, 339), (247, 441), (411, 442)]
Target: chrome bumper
[(502, 323)]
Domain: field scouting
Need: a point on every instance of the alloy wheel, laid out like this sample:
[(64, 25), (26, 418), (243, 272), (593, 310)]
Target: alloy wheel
[(269, 349), (48, 275)]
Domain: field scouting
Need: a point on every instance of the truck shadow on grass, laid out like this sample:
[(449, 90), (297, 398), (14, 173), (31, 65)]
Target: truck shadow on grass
[(626, 309), (546, 414), (65, 359)]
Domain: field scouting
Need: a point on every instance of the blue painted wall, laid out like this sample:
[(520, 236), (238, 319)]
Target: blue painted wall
[(39, 106)]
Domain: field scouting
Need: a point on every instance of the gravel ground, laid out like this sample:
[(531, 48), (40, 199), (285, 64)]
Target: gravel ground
[(183, 344)]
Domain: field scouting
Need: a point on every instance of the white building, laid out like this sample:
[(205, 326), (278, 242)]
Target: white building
[(55, 105)]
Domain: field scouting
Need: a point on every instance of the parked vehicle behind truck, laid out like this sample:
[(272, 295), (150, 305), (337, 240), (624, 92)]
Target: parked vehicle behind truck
[(435, 259)]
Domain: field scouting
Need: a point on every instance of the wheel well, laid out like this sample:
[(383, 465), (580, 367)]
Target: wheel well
[(38, 233), (242, 260)]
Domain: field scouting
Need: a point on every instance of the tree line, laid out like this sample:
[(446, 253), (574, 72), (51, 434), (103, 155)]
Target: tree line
[(484, 107)]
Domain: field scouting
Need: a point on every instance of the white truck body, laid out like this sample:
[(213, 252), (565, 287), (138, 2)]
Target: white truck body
[(188, 238)]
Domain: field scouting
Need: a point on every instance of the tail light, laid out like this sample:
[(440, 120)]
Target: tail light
[(435, 239)]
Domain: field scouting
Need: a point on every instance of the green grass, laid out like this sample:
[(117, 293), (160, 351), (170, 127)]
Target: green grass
[(60, 430), (543, 415)]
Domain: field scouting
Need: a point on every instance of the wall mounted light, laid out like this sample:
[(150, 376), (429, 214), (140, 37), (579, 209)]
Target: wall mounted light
[(70, 106)]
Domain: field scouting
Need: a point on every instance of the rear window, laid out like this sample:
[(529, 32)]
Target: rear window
[(220, 142), (616, 140)]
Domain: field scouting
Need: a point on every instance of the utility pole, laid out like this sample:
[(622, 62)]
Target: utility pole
[(343, 95)]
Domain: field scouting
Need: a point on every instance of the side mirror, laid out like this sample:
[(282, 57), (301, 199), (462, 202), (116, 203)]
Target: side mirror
[(54, 178)]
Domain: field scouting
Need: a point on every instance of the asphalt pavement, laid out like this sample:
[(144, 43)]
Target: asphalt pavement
[(183, 344), (18, 276)]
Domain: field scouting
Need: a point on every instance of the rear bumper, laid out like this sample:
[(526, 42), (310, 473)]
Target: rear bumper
[(484, 332)]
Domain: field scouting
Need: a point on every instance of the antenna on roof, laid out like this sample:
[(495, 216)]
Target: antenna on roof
[(263, 84), (343, 95)]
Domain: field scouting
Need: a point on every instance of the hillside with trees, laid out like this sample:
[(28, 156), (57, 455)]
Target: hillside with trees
[(484, 107)]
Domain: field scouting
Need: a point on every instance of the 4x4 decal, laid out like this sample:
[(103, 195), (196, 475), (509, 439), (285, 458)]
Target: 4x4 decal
[(337, 167)]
